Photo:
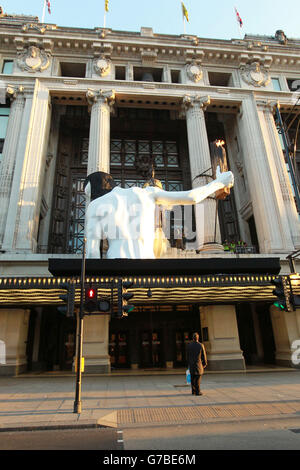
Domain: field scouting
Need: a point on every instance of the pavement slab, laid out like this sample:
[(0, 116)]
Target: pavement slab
[(32, 402)]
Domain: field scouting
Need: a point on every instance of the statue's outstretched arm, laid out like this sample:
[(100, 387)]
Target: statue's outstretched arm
[(195, 195)]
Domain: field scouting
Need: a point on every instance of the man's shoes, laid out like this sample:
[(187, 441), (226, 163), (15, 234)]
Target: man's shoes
[(200, 393)]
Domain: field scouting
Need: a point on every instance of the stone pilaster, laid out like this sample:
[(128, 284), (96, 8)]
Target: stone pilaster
[(286, 329), (21, 232), (268, 208), (16, 95), (207, 223), (13, 335), (99, 142), (281, 169), (223, 344), (95, 344)]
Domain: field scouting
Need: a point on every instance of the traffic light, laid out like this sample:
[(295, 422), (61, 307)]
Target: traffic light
[(68, 298), (123, 297), (91, 302), (282, 294), (90, 299)]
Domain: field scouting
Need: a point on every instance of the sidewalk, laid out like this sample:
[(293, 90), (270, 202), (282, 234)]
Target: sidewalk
[(31, 402)]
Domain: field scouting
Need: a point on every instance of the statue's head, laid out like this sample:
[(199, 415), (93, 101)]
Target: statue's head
[(98, 184)]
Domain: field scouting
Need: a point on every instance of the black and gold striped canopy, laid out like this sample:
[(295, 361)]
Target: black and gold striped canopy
[(209, 289)]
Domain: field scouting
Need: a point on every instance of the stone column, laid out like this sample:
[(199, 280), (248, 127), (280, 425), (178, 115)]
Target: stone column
[(16, 95), (207, 223), (286, 329), (13, 333), (269, 212), (223, 345), (277, 157), (32, 177), (95, 344), (99, 140)]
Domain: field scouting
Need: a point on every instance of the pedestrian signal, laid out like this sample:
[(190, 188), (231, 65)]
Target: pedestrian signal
[(94, 305)]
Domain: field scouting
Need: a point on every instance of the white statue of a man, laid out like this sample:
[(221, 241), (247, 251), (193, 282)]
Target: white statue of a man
[(126, 217)]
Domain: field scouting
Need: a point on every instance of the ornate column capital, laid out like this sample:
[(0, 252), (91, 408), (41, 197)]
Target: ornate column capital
[(101, 96), (268, 105), (195, 101), (13, 92)]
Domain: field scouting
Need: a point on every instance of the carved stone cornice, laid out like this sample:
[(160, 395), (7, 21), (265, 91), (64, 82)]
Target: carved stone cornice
[(38, 27), (101, 96), (201, 102)]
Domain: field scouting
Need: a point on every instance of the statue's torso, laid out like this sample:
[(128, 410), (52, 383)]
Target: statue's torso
[(127, 221)]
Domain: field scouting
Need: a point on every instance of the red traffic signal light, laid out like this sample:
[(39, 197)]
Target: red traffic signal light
[(90, 299), (90, 293), (94, 305)]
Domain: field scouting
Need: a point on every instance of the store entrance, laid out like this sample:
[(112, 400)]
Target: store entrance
[(256, 333), (151, 349), (153, 337), (51, 340), (119, 349)]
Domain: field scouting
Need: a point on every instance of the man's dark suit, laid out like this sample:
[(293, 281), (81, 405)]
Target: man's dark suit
[(197, 361)]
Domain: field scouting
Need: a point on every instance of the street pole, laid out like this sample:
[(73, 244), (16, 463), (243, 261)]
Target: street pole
[(77, 402)]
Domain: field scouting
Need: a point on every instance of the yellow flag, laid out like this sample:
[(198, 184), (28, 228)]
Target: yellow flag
[(185, 12), (106, 5)]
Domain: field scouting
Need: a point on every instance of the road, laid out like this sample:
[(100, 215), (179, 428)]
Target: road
[(248, 435), (69, 439), (272, 434)]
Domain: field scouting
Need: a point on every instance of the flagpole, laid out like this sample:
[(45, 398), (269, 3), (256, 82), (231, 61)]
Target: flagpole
[(44, 9)]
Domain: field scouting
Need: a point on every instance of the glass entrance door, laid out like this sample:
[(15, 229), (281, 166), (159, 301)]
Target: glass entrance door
[(118, 349), (182, 338), (151, 349)]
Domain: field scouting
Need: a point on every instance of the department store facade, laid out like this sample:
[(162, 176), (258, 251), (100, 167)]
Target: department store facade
[(76, 101)]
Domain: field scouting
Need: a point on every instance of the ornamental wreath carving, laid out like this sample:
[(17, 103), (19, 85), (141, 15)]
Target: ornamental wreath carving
[(33, 60), (102, 66), (254, 74), (194, 72)]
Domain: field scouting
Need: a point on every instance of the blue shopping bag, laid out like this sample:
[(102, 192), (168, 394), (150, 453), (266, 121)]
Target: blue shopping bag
[(188, 376)]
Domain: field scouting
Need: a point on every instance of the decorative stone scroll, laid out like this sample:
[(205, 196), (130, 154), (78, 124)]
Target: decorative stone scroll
[(103, 96), (38, 27), (189, 101), (194, 72), (33, 60), (102, 66), (255, 74), (13, 92)]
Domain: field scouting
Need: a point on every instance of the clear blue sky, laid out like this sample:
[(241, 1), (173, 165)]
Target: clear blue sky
[(210, 19)]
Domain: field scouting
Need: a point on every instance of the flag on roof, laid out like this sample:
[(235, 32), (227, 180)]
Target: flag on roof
[(239, 19), (185, 12), (106, 5), (49, 6)]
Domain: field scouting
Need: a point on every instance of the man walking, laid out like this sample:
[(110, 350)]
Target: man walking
[(197, 361)]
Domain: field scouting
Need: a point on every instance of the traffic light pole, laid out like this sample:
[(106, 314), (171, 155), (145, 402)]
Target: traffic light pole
[(77, 402)]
